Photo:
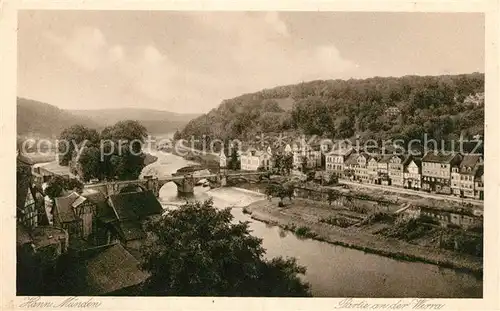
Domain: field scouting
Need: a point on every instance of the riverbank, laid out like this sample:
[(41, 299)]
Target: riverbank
[(304, 217)]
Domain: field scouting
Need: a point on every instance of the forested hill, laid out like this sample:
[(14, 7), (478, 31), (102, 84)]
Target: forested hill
[(37, 119), (379, 108)]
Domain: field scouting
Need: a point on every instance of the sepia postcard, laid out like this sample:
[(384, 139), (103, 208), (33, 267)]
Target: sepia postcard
[(223, 155)]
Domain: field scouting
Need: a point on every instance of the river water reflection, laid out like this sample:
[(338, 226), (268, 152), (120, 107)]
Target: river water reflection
[(333, 271)]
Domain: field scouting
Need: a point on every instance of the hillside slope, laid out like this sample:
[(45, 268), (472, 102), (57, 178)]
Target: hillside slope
[(443, 107), (37, 119), (156, 121)]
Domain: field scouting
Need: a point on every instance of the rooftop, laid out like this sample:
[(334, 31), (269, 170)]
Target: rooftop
[(64, 207), (439, 157), (103, 271), (135, 205), (53, 168)]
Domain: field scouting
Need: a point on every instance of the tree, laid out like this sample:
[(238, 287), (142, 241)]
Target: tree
[(278, 162), (288, 162), (129, 131), (72, 137), (280, 191), (90, 163), (177, 135), (303, 163), (198, 251), (333, 195), (57, 184)]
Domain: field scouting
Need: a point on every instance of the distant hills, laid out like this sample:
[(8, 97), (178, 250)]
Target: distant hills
[(40, 119), (156, 121)]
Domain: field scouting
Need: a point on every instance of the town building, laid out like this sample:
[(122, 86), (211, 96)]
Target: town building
[(308, 155), (335, 158), (396, 169), (75, 214), (250, 160), (108, 270), (383, 170), (350, 164), (361, 167), (463, 176), (479, 183), (38, 252), (412, 174), (126, 215), (372, 169), (393, 112), (253, 159), (436, 171)]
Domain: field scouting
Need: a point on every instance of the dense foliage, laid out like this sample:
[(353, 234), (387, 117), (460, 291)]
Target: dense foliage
[(115, 153), (443, 107), (197, 250), (57, 184), (281, 191)]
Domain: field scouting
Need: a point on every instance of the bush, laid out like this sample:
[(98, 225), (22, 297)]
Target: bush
[(304, 232)]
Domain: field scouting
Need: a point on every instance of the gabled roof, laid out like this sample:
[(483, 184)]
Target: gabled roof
[(103, 271), (385, 158), (130, 230), (352, 159), (470, 160), (439, 157), (103, 211), (64, 207), (135, 205), (417, 161)]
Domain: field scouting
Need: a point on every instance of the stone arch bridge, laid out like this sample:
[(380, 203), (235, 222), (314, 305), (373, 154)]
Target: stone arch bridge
[(185, 182)]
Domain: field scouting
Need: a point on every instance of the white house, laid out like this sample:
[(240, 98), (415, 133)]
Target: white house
[(252, 159), (312, 155), (222, 159), (335, 160), (412, 174)]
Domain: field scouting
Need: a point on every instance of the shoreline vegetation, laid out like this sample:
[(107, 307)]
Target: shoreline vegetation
[(304, 225)]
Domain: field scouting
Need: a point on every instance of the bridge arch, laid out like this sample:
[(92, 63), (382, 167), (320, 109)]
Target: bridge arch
[(133, 188)]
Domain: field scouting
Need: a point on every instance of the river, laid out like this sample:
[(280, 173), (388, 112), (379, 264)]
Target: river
[(332, 271)]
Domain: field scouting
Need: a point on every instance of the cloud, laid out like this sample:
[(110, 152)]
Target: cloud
[(263, 52), (145, 67), (85, 47), (116, 53), (273, 19), (228, 54)]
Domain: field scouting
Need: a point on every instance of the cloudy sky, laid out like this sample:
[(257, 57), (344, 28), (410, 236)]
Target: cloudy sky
[(190, 61)]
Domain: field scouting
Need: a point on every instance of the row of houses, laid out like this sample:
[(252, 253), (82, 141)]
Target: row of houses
[(438, 172), (445, 173)]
